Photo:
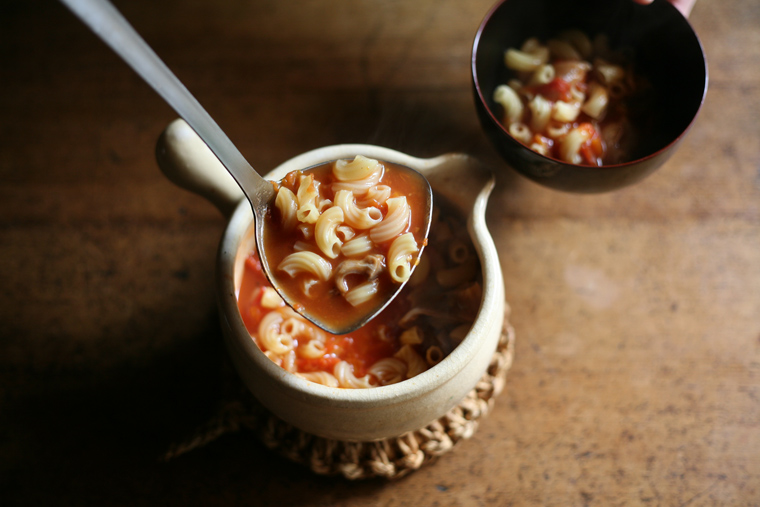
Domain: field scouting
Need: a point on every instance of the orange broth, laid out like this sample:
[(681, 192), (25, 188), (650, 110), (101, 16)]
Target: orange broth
[(361, 348), (325, 301), (441, 311)]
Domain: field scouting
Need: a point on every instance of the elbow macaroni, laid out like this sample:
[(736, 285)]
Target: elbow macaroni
[(346, 210), (507, 97), (412, 336), (325, 231), (307, 199), (306, 263), (394, 223), (400, 256), (556, 89)]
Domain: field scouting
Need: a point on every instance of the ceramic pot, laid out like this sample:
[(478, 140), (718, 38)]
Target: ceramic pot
[(344, 414)]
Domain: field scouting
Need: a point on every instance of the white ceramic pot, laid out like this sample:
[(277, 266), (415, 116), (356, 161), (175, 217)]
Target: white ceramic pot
[(344, 414)]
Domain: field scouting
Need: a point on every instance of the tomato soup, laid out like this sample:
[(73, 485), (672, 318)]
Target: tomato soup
[(433, 313), (343, 236)]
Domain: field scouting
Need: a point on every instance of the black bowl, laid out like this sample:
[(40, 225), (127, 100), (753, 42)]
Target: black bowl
[(666, 51)]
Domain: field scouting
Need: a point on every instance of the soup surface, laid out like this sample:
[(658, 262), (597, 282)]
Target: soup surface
[(344, 235), (572, 99), (430, 316)]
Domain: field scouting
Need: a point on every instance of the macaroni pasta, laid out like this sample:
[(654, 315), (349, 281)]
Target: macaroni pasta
[(569, 98), (415, 332), (327, 218)]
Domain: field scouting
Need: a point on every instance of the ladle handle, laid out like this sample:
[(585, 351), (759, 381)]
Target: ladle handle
[(108, 24)]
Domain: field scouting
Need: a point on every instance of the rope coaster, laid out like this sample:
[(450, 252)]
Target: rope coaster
[(389, 458)]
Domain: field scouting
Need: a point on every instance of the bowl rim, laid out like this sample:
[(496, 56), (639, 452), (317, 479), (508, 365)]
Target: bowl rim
[(240, 224), (482, 100)]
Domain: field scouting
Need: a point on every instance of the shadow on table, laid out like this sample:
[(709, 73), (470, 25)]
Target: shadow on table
[(102, 441), (77, 438)]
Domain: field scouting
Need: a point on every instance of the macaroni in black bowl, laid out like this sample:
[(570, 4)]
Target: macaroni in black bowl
[(654, 43)]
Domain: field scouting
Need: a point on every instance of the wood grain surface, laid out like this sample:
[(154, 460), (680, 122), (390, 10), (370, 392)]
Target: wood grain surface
[(637, 372)]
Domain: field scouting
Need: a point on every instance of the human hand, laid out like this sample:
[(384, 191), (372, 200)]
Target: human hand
[(682, 5)]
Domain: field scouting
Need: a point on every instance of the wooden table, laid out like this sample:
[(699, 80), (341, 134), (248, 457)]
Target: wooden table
[(637, 371)]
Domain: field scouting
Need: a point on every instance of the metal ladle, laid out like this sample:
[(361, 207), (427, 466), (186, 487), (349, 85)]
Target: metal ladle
[(108, 24)]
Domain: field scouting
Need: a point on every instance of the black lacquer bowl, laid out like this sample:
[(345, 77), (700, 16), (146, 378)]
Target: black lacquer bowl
[(666, 51)]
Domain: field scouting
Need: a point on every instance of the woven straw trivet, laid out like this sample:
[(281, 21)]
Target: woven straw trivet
[(389, 458)]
